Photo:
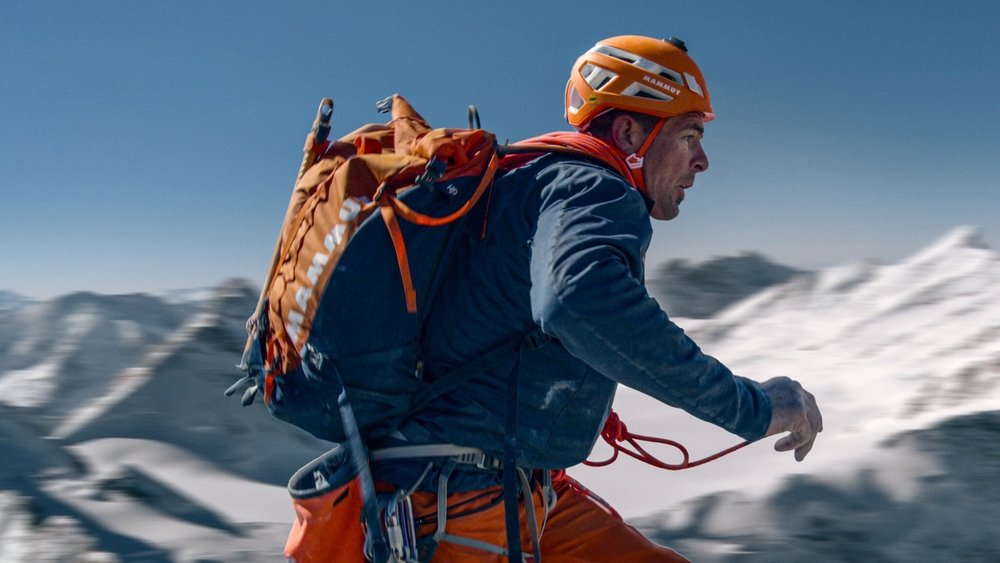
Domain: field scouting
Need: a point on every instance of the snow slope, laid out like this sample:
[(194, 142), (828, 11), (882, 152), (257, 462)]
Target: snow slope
[(117, 436), (885, 349), (128, 434)]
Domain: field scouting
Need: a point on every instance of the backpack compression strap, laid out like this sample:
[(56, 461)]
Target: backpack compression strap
[(392, 207)]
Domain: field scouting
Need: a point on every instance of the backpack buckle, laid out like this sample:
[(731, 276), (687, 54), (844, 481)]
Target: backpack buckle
[(312, 358), (537, 339), (433, 172)]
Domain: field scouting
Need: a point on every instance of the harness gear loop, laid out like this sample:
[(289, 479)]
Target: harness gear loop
[(452, 457)]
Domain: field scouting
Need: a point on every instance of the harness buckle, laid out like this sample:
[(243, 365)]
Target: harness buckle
[(481, 460), (537, 339)]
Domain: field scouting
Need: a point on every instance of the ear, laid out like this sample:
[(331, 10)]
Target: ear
[(627, 134)]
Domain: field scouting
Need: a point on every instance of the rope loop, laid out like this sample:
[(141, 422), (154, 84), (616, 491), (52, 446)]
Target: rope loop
[(617, 435)]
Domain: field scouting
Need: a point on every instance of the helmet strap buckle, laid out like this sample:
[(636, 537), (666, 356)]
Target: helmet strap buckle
[(635, 160)]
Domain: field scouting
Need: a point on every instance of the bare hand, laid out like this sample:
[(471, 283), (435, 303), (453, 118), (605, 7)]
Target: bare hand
[(794, 410)]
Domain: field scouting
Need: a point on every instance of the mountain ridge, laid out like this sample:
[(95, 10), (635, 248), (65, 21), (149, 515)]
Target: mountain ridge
[(701, 290), (126, 391)]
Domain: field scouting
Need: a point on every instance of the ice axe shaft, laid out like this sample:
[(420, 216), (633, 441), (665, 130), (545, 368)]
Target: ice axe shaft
[(316, 142)]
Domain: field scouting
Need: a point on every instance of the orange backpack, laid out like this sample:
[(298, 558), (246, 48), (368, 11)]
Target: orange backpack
[(388, 192), (414, 178)]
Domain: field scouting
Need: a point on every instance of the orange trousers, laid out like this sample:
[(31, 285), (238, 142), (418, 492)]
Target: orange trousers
[(578, 529)]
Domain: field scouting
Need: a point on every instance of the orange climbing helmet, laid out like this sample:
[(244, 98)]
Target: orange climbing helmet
[(634, 73)]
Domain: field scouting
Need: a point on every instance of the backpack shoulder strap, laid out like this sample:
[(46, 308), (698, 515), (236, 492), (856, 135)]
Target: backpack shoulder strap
[(569, 142)]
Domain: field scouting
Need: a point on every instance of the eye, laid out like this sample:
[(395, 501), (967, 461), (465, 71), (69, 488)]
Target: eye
[(692, 136)]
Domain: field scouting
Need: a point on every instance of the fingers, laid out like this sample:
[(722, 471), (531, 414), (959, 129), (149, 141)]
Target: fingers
[(806, 424), (792, 441), (793, 410), (802, 443), (815, 418), (802, 451), (813, 412)]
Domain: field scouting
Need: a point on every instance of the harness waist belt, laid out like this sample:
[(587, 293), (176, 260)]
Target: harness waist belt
[(462, 455)]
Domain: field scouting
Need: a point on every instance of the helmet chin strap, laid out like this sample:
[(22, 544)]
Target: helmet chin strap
[(635, 160)]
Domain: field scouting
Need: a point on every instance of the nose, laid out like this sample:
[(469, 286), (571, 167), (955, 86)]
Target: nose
[(700, 161)]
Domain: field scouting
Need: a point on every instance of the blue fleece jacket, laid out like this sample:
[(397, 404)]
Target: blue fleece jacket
[(559, 244)]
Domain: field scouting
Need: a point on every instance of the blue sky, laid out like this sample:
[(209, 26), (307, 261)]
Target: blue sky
[(152, 145)]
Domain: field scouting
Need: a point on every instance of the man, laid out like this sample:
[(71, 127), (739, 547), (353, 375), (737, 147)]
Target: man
[(559, 246)]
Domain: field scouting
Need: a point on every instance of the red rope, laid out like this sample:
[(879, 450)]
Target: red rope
[(615, 433)]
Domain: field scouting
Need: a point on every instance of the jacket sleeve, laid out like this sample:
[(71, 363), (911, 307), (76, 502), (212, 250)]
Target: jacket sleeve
[(588, 291)]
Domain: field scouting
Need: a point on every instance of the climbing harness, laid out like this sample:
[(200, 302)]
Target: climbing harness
[(399, 519)]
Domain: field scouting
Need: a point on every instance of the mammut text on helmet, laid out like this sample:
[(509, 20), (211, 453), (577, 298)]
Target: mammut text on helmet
[(662, 85)]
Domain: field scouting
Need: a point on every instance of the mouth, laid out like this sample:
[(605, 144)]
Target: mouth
[(682, 193)]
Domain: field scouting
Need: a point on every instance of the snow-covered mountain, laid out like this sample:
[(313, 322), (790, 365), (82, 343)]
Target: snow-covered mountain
[(12, 301), (928, 495), (888, 350), (115, 419), (118, 440), (895, 347), (701, 290), (61, 354)]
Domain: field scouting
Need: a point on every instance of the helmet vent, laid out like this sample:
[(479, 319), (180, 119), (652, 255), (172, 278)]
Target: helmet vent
[(575, 101), (597, 77), (665, 73), (645, 64), (641, 91), (693, 85), (616, 53)]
